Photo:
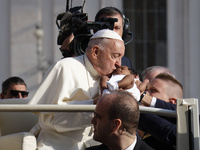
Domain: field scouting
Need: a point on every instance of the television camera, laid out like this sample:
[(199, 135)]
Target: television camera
[(76, 22)]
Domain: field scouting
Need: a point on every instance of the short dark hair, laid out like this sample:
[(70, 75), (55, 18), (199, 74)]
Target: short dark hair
[(12, 80), (109, 11), (132, 71), (125, 108), (168, 77)]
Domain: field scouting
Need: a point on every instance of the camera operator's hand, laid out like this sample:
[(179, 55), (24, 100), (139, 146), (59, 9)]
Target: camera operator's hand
[(66, 51)]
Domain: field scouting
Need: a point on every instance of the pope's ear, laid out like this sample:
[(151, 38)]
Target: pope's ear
[(95, 51)]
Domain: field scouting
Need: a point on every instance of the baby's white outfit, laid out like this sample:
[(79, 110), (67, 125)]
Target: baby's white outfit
[(113, 85)]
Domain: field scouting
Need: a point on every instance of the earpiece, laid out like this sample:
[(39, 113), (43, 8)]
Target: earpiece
[(125, 27)]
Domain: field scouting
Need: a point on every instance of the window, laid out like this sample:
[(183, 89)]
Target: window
[(148, 22)]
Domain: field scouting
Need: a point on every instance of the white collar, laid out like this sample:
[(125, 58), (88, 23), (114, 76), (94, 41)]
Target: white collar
[(90, 67)]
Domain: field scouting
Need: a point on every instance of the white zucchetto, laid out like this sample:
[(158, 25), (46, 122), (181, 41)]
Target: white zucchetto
[(106, 33)]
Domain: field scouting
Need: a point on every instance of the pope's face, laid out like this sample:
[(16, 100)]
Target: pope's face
[(109, 59)]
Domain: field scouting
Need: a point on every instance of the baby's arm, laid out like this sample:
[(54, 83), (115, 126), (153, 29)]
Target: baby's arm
[(142, 85), (127, 82), (103, 84)]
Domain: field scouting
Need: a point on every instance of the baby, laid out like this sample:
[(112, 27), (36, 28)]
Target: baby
[(122, 78)]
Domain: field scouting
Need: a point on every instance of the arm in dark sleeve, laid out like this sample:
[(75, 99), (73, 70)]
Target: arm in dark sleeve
[(164, 105), (158, 127), (126, 62)]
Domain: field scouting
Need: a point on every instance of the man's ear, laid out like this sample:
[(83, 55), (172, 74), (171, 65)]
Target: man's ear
[(95, 51), (116, 125), (172, 100)]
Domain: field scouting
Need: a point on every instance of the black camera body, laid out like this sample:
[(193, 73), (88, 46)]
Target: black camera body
[(76, 22)]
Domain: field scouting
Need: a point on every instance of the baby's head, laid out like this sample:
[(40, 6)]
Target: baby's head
[(124, 70)]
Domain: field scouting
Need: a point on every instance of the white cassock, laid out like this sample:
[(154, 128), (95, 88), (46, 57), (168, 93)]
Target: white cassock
[(69, 81)]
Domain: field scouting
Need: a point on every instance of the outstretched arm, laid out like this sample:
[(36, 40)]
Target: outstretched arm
[(142, 86), (158, 127), (127, 82)]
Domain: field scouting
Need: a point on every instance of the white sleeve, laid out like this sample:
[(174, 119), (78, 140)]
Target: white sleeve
[(153, 102)]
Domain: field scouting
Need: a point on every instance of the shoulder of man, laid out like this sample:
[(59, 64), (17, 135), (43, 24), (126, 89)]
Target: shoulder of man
[(70, 59), (69, 62), (141, 145)]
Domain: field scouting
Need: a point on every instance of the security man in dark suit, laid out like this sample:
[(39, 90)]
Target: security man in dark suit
[(115, 122)]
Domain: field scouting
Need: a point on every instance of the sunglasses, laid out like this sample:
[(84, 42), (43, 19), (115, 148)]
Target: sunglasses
[(16, 93)]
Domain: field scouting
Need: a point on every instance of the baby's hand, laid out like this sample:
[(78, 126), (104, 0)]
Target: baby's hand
[(142, 86)]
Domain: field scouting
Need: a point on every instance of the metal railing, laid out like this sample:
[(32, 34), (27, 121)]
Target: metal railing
[(187, 124), (187, 113)]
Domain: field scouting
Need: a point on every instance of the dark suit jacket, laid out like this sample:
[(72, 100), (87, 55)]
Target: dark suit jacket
[(162, 129), (165, 105), (140, 145)]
